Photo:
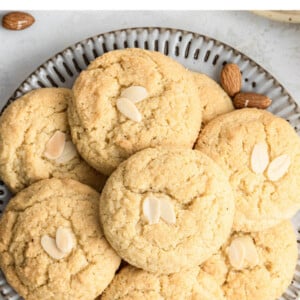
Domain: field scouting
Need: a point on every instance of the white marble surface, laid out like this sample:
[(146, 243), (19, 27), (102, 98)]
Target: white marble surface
[(274, 45)]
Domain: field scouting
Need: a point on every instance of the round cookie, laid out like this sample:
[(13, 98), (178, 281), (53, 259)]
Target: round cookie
[(163, 210), (39, 210), (261, 200), (136, 284), (264, 275), (170, 114), (26, 126), (214, 99)]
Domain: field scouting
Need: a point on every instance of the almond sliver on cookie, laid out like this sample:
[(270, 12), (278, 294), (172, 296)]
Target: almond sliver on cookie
[(55, 146), (49, 245), (167, 211), (151, 209), (128, 109), (251, 252), (278, 167), (135, 93), (259, 158), (64, 240), (237, 253), (68, 153)]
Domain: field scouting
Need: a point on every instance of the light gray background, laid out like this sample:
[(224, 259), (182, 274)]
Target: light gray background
[(274, 45)]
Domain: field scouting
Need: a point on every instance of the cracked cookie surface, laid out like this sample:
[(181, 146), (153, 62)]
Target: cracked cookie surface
[(277, 252), (136, 284), (229, 140), (39, 210), (199, 193), (171, 114), (25, 128), (214, 99)]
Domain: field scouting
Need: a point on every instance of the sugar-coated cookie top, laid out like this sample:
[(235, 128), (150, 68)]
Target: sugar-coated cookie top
[(170, 115), (163, 210), (260, 153)]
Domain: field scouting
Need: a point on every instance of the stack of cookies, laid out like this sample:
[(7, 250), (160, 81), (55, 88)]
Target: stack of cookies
[(148, 163)]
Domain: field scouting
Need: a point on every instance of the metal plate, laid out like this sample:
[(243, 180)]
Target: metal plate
[(196, 52)]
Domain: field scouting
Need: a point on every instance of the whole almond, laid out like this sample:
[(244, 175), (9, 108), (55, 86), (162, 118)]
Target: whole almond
[(231, 79), (242, 100), (17, 20)]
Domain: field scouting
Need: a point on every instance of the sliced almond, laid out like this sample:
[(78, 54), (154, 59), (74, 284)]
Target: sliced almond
[(167, 212), (49, 245), (135, 93), (55, 146), (128, 109), (278, 167), (251, 252), (64, 239), (237, 253), (259, 158), (69, 153), (151, 209)]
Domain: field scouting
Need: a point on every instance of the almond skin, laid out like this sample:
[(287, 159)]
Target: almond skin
[(242, 100), (17, 20), (231, 79)]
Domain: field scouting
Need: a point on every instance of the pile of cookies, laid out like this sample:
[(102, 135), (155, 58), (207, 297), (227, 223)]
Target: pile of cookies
[(146, 162)]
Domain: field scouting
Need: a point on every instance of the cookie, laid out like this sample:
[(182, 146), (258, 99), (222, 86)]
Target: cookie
[(214, 99), (257, 265), (260, 153), (51, 243), (168, 115), (136, 284), (163, 210), (28, 128)]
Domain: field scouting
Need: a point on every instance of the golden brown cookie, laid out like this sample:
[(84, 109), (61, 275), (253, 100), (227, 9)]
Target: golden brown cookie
[(136, 284), (260, 153), (258, 265), (169, 114), (214, 99), (27, 128), (164, 210), (37, 262)]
